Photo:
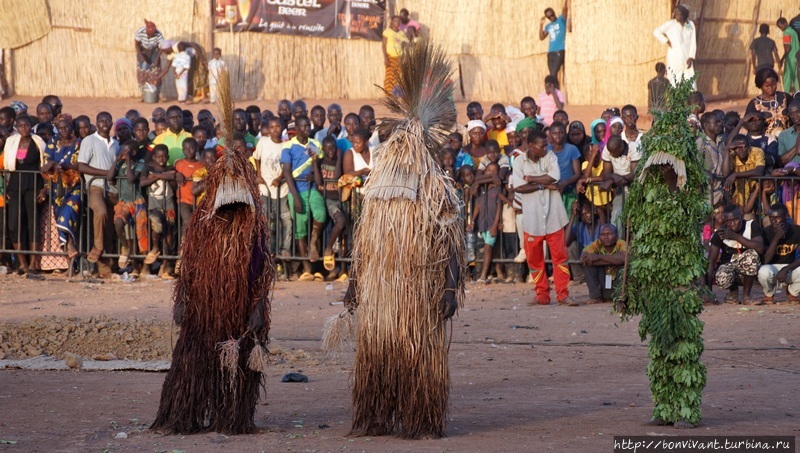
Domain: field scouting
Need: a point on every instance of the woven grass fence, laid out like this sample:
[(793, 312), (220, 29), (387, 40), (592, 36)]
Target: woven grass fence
[(610, 55)]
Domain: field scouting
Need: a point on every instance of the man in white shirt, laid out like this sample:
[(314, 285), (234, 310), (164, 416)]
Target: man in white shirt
[(97, 155), (535, 178), (274, 192), (334, 128)]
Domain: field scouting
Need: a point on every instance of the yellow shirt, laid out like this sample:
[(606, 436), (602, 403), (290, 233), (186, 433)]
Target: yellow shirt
[(394, 42), (593, 193), (744, 187), (174, 142), (199, 175), (501, 137)]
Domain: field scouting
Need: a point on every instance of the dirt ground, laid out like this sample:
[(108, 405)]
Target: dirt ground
[(523, 378)]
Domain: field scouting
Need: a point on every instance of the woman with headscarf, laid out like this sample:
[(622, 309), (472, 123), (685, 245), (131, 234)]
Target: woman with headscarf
[(576, 136), (614, 126), (123, 130), (22, 155), (476, 130), (680, 35), (59, 169)]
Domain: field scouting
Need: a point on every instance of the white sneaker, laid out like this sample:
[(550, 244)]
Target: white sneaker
[(521, 257)]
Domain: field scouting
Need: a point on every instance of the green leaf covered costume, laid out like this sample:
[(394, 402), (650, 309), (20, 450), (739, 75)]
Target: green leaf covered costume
[(666, 207)]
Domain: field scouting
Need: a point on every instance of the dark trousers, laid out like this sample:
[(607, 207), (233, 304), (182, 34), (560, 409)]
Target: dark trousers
[(186, 211), (596, 282), (555, 60), (22, 216)]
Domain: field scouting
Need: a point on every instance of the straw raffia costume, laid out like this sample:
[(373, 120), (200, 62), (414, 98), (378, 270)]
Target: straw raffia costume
[(222, 305), (408, 261)]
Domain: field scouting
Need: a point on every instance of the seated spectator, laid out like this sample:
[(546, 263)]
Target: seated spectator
[(734, 255), (780, 258), (746, 161), (602, 262), (583, 229)]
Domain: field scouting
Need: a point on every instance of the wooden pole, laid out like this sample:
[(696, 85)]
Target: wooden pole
[(211, 23)]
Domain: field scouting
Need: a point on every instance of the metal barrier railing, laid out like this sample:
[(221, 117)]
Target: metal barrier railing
[(43, 217)]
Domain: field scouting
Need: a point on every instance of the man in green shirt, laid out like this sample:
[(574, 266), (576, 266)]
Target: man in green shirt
[(174, 136)]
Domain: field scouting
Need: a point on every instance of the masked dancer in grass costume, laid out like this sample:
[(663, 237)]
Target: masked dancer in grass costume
[(665, 209), (221, 302), (408, 256)]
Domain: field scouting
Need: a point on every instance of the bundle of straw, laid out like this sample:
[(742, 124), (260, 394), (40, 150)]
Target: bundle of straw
[(225, 105), (339, 332)]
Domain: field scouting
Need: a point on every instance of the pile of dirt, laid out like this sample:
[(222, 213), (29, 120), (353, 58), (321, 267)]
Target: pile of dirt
[(97, 337)]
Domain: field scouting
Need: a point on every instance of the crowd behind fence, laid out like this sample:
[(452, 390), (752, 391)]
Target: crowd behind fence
[(770, 189)]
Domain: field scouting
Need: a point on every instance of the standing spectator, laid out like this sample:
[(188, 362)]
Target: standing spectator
[(602, 264), (334, 128), (130, 212), (274, 192), (317, 116), (184, 169), (61, 156), (215, 66), (147, 42), (297, 160), (159, 180), (253, 120), (24, 151), (716, 157), (557, 31), (680, 36), (327, 172), (569, 163), (181, 63), (498, 119), (408, 25), (7, 117), (656, 88), (791, 47), (763, 51), (771, 102), (393, 46), (550, 100), (486, 219), (535, 177), (619, 164), (174, 136), (734, 255), (780, 259), (44, 113), (96, 157)]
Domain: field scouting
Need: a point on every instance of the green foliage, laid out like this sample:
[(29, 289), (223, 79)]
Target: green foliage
[(667, 262)]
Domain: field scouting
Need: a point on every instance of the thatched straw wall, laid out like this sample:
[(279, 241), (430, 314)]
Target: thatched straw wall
[(23, 22), (611, 52)]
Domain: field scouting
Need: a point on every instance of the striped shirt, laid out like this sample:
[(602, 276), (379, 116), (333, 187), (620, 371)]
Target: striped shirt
[(148, 42)]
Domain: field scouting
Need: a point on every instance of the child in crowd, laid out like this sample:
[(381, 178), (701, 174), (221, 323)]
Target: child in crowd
[(131, 210), (747, 161), (449, 162), (713, 223), (215, 67), (493, 156), (498, 119), (455, 142), (464, 182), (181, 63), (550, 100), (159, 181), (589, 184), (619, 164), (729, 123), (486, 220), (327, 172), (185, 168), (274, 193), (209, 157), (561, 116), (160, 126), (698, 104)]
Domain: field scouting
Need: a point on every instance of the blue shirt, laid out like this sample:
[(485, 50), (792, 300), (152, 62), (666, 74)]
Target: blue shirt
[(557, 30), (582, 235), (295, 153), (344, 144), (565, 158), (462, 159)]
